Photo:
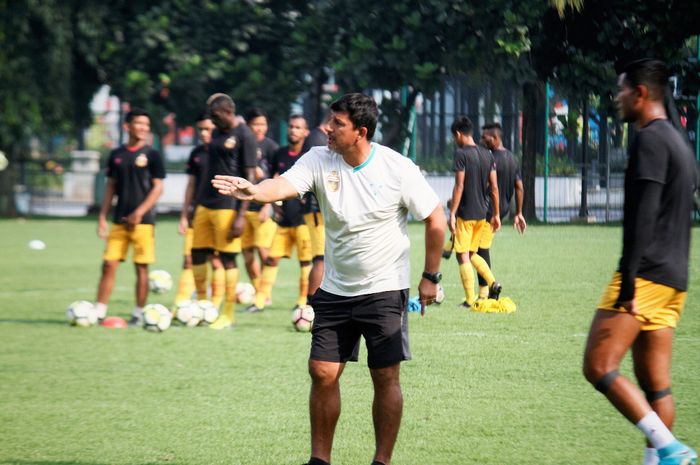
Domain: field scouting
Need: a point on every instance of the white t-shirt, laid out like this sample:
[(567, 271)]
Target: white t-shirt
[(365, 212)]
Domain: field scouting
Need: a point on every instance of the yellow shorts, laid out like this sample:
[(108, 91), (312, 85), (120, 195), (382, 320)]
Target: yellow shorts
[(211, 228), (468, 234), (287, 238), (257, 234), (317, 231), (143, 238), (189, 236), (659, 306), (486, 237)]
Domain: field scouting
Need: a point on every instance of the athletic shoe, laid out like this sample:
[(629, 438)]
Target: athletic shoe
[(464, 305), (252, 308), (223, 322), (446, 254), (136, 321), (495, 290), (677, 453), (297, 306)]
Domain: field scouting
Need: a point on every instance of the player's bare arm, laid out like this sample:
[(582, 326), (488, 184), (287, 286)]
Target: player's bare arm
[(519, 222), (456, 198), (185, 212), (270, 190), (496, 218), (149, 202), (102, 226)]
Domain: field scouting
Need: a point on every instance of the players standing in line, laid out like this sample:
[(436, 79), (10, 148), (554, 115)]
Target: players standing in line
[(135, 175), (196, 181), (365, 191), (259, 226), (642, 304), (292, 231), (219, 220), (312, 212), (509, 183), (475, 180)]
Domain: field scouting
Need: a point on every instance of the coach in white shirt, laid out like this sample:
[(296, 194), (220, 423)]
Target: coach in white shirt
[(365, 192)]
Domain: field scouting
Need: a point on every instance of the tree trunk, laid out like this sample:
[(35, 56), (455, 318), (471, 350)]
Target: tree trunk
[(507, 117), (603, 145), (533, 105), (443, 126), (583, 211)]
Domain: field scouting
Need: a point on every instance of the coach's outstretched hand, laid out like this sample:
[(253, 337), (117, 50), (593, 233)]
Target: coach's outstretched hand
[(239, 188)]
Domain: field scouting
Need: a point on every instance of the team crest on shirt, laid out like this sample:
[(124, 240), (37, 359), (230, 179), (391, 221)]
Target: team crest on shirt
[(230, 143), (141, 160), (258, 154), (333, 181)]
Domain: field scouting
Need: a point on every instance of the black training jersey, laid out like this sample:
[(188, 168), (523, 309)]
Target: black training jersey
[(133, 171), (315, 139), (266, 149), (477, 163), (230, 153), (197, 166), (660, 155), (508, 173), (292, 214)]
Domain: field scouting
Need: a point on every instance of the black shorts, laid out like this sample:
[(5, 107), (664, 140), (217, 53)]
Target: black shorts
[(340, 321)]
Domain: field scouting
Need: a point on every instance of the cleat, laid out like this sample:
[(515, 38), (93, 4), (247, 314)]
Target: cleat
[(495, 290), (136, 321), (253, 309), (223, 322), (464, 305), (677, 453), (446, 254)]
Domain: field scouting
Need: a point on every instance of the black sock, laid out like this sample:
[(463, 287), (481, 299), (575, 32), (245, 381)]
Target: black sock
[(317, 461)]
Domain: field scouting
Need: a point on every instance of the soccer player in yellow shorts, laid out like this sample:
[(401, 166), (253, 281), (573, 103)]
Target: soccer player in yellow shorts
[(642, 304)]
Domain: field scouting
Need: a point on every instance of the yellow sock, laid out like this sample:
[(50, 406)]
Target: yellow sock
[(230, 294), (483, 269), (200, 274), (483, 292), (467, 274), (218, 286), (304, 284), (256, 283), (185, 286), (267, 280)]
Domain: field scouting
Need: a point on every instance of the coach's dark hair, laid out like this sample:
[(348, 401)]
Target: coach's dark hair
[(255, 112), (462, 124), (136, 111), (217, 101), (202, 116), (361, 109), (651, 73), (493, 127)]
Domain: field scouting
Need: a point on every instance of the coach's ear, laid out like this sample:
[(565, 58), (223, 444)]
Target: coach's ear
[(361, 133)]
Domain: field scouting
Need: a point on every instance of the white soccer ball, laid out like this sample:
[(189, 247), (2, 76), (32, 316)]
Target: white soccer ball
[(81, 313), (440, 294), (188, 313), (209, 312), (36, 244), (156, 318), (303, 318), (159, 281), (245, 293)]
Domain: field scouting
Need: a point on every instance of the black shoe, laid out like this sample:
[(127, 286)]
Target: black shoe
[(495, 290), (464, 305), (135, 321), (446, 254), (253, 309)]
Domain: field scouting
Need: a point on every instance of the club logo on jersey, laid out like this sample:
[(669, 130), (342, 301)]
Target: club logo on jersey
[(141, 161), (333, 181), (258, 154), (230, 143)]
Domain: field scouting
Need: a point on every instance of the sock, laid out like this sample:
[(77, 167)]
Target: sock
[(650, 456), (483, 291), (101, 310), (138, 312), (467, 274), (186, 285), (316, 461), (230, 294), (218, 286), (303, 285), (200, 274), (256, 283), (267, 280), (654, 429), (482, 268), (486, 255)]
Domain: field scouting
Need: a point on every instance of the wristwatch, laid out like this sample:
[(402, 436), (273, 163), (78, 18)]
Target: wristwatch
[(433, 277)]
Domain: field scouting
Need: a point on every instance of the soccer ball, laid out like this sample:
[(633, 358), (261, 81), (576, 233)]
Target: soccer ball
[(156, 318), (440, 294), (188, 313), (159, 281), (81, 313), (209, 312), (303, 318), (245, 293)]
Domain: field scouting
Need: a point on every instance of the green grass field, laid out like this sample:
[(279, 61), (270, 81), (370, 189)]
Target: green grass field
[(482, 388)]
